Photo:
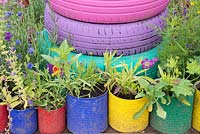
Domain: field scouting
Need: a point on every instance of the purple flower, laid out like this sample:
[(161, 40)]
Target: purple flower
[(155, 59), (175, 12), (8, 36), (19, 14), (50, 68), (19, 56), (185, 11), (188, 46), (13, 48), (8, 25), (146, 64), (8, 63), (30, 102), (30, 50), (25, 75), (8, 14), (29, 45), (30, 65), (17, 42)]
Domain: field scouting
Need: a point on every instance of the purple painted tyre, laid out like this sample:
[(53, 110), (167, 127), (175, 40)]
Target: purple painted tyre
[(109, 11), (88, 38)]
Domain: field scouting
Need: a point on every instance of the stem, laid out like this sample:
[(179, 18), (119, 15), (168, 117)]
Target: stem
[(188, 76), (195, 79)]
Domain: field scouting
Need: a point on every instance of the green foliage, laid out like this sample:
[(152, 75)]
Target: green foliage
[(77, 77), (124, 82), (169, 85), (193, 66), (85, 79), (181, 35), (62, 60), (49, 93), (25, 28)]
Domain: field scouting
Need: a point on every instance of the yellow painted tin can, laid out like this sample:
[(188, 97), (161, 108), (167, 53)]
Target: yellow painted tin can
[(196, 111), (121, 113)]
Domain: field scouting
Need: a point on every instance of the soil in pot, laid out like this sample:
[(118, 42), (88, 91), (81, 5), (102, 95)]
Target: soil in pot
[(99, 90)]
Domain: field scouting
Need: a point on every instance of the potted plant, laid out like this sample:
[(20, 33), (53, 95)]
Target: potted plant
[(172, 112), (129, 97), (50, 100), (86, 99), (18, 91), (20, 56)]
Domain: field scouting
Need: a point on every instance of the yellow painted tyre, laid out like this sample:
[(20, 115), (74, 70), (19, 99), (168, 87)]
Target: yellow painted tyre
[(121, 113), (196, 111)]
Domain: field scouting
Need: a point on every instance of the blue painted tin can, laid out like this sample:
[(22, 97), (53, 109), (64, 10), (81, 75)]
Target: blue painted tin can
[(87, 115), (23, 121)]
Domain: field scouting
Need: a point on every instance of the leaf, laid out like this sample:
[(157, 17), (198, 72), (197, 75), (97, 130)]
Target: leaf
[(143, 83), (183, 88), (160, 112), (184, 101), (14, 104), (169, 100), (161, 72), (49, 59), (193, 67), (150, 108), (140, 95), (141, 111), (163, 100)]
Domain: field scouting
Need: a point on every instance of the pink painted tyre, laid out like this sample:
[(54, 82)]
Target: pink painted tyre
[(109, 11), (3, 1), (89, 38)]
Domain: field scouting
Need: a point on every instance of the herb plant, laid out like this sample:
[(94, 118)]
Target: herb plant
[(181, 36), (171, 85)]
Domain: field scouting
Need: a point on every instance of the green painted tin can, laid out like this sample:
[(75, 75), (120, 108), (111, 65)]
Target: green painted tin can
[(178, 119)]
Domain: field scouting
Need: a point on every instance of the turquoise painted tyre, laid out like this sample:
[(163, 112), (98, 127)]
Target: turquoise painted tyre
[(45, 43)]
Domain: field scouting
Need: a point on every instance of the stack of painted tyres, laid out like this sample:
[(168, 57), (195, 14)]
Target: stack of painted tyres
[(94, 26)]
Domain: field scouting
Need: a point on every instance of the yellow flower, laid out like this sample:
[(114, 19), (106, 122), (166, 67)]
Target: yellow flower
[(198, 12), (56, 71), (192, 3)]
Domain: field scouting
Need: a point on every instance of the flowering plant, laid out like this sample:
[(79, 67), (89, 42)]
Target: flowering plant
[(79, 80), (130, 83), (19, 54), (181, 36), (125, 84), (17, 88), (49, 93), (22, 26)]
